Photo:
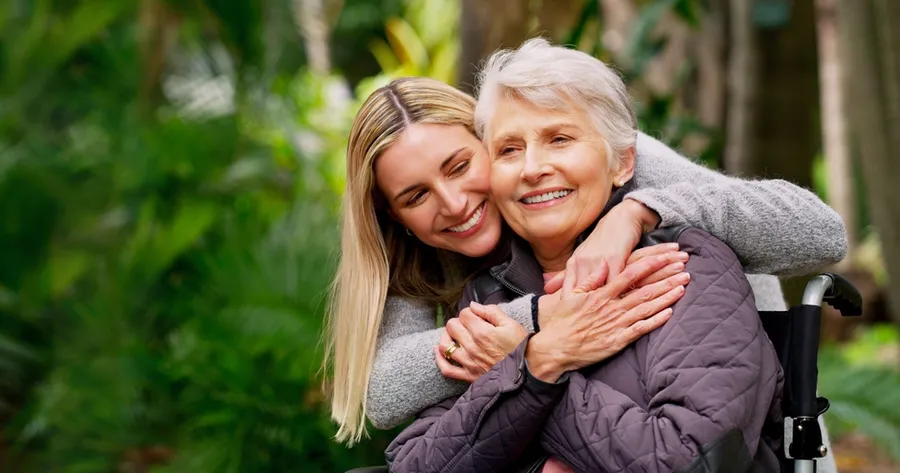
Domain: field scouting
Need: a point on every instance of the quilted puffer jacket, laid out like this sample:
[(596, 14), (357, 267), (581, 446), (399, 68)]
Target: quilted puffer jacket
[(699, 394)]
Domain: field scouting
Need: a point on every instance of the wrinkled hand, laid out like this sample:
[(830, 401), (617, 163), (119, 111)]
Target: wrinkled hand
[(611, 242), (554, 281), (579, 329), (485, 336)]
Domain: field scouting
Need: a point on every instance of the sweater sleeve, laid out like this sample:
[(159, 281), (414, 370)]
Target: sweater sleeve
[(405, 379), (774, 227), (711, 378)]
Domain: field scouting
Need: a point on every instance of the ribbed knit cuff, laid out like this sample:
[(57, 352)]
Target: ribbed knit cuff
[(534, 313)]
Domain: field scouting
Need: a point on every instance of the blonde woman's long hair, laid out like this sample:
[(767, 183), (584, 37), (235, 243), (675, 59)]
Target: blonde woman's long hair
[(378, 257)]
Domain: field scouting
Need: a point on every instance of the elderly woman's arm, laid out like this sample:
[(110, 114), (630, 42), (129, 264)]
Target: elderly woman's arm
[(405, 379), (775, 227), (475, 433), (711, 378)]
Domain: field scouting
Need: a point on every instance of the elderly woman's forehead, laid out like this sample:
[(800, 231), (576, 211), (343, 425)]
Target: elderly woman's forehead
[(516, 113)]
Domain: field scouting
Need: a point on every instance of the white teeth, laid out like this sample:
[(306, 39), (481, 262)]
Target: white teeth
[(469, 223), (536, 199)]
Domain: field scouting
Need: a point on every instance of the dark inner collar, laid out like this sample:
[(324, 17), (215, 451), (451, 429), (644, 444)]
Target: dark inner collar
[(523, 270)]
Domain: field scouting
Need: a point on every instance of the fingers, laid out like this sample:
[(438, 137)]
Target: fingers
[(449, 370), (667, 272), (555, 282), (637, 271), (583, 272), (490, 314), (654, 291), (654, 306), (651, 251), (459, 332), (645, 326), (570, 276), (596, 278)]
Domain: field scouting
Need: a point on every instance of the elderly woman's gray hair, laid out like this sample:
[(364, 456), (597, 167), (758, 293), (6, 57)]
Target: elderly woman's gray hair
[(549, 76)]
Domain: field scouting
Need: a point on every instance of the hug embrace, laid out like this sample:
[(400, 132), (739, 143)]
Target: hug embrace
[(542, 287)]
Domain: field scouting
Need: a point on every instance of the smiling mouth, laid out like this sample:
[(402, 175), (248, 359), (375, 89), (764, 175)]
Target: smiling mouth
[(470, 222), (546, 196)]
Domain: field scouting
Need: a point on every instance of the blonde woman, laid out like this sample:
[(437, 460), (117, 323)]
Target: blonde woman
[(418, 221)]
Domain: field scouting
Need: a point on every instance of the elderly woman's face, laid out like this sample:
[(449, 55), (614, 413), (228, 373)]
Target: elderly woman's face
[(550, 174), (436, 179)]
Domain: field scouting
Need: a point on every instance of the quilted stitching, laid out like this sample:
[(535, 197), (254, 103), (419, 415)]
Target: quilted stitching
[(710, 369)]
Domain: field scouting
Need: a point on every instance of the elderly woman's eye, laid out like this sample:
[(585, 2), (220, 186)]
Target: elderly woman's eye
[(559, 139), (506, 150)]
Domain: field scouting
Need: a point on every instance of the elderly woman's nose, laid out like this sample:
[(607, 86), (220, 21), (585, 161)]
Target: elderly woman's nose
[(535, 166)]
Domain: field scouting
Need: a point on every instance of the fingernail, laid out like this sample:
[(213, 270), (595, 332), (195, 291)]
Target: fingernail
[(667, 312), (682, 255), (676, 266), (684, 277), (671, 246), (475, 305)]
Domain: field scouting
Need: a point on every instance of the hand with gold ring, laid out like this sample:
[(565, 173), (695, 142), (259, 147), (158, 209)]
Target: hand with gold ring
[(448, 354), (475, 341)]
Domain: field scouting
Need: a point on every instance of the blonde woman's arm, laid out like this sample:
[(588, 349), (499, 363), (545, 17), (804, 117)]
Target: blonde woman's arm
[(775, 227), (405, 378)]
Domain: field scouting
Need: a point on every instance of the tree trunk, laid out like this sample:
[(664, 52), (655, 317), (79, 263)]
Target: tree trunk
[(742, 90), (310, 18), (786, 137), (834, 125), (870, 48), (486, 26)]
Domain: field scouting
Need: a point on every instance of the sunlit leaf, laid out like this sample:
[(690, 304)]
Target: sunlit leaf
[(403, 39)]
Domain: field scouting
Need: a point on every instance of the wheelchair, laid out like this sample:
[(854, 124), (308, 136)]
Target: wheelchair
[(795, 335)]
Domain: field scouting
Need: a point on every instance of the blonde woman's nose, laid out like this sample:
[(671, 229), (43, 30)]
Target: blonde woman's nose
[(454, 203)]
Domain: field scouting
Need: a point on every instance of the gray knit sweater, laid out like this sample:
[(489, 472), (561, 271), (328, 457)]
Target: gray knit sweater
[(775, 228)]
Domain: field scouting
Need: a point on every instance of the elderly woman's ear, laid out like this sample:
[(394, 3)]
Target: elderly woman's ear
[(626, 168)]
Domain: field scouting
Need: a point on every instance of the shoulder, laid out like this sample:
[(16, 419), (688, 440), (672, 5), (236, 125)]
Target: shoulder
[(398, 306), (706, 250), (718, 295)]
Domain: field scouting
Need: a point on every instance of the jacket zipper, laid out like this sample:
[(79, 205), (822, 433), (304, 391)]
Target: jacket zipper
[(508, 285)]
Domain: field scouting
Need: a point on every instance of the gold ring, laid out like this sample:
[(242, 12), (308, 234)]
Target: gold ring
[(449, 353)]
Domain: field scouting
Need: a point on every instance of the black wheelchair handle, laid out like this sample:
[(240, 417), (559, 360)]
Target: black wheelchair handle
[(836, 291), (844, 296)]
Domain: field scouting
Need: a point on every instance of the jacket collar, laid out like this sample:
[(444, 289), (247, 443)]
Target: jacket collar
[(521, 271)]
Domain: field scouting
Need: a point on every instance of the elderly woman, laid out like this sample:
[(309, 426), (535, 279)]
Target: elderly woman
[(701, 393)]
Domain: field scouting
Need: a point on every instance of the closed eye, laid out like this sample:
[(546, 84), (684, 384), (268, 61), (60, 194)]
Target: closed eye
[(460, 168), (506, 150), (417, 198)]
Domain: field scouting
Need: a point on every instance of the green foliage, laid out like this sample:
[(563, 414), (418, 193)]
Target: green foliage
[(171, 240), (422, 42), (863, 384), (659, 114)]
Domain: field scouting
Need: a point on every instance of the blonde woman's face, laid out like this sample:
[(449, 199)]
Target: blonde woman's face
[(436, 179)]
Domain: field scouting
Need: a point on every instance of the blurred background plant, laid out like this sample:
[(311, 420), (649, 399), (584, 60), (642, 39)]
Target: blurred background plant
[(170, 176)]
